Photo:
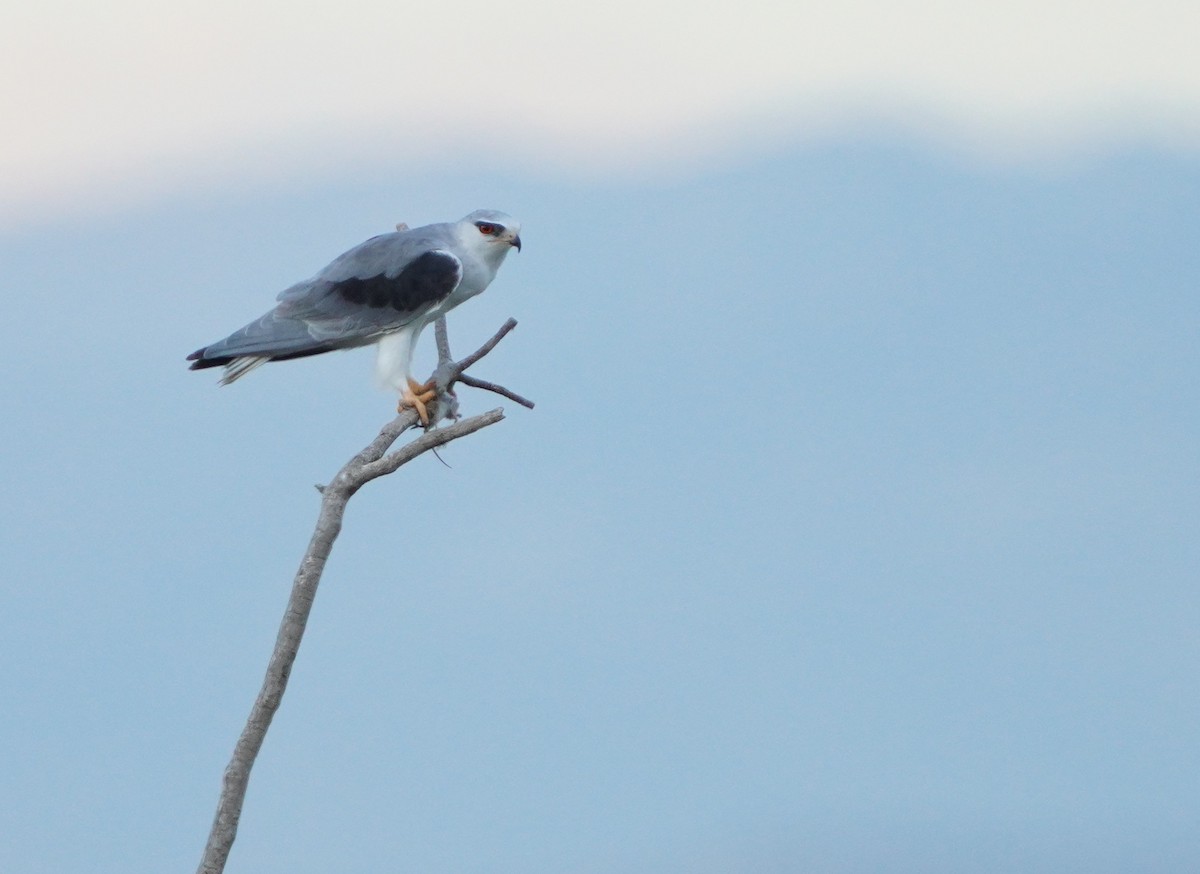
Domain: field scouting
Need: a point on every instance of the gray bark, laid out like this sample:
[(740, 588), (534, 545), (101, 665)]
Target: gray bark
[(372, 462)]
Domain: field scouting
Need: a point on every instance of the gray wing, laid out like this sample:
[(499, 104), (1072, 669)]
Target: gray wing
[(377, 287)]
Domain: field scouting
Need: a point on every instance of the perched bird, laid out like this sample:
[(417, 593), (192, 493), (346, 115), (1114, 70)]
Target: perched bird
[(383, 291)]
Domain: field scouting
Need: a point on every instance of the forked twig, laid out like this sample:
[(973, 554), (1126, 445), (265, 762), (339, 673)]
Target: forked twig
[(449, 371)]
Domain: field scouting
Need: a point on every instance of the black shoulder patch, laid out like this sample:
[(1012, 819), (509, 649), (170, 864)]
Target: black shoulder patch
[(427, 279)]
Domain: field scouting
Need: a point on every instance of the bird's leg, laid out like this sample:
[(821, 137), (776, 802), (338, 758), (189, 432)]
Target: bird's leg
[(415, 396)]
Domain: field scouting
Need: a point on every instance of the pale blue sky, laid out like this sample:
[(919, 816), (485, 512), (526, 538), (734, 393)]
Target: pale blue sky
[(855, 529)]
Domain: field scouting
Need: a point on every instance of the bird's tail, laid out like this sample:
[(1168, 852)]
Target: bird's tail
[(268, 339), (239, 367)]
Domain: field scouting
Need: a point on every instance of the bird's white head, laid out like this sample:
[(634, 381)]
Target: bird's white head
[(489, 234)]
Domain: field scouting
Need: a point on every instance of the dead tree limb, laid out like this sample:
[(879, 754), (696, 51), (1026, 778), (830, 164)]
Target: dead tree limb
[(372, 462)]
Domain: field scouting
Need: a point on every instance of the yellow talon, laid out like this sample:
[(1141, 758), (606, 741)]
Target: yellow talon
[(426, 391), (416, 396)]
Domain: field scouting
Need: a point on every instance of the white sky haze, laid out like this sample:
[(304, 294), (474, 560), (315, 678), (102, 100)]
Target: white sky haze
[(134, 97)]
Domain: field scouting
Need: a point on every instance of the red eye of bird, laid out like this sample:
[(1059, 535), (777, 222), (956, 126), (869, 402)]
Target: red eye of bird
[(486, 228)]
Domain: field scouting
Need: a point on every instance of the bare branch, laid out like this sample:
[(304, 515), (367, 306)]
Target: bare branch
[(450, 371), (429, 440), (488, 346), (443, 341), (492, 387), (369, 464), (356, 473)]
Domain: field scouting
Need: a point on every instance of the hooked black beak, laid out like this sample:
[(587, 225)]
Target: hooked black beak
[(516, 241)]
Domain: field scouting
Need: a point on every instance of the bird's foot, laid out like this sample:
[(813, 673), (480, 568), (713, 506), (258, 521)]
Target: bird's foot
[(415, 397)]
